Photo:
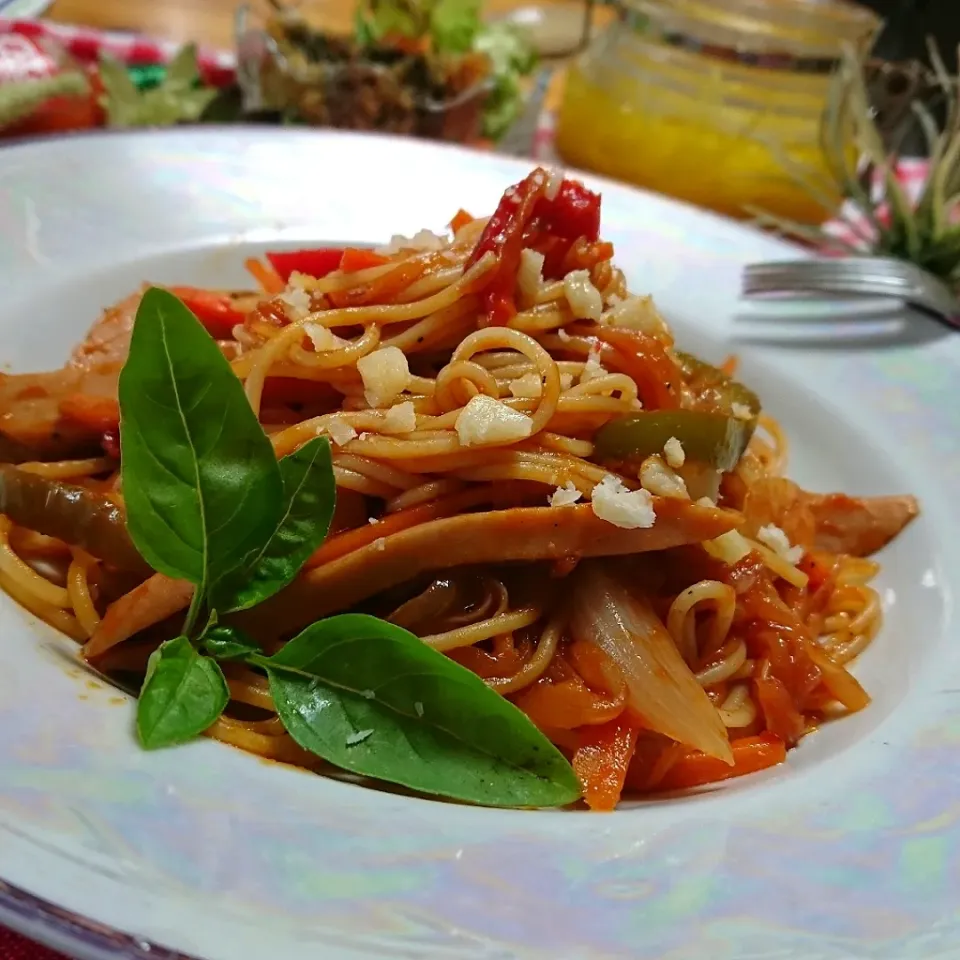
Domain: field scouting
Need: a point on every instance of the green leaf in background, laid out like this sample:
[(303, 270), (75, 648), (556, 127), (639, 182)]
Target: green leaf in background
[(372, 698), (377, 19), (200, 480), (512, 57), (226, 642), (508, 48), (183, 693), (183, 71), (503, 105), (180, 98), (454, 25), (309, 497)]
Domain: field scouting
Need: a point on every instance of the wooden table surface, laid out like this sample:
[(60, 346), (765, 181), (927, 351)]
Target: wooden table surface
[(211, 21)]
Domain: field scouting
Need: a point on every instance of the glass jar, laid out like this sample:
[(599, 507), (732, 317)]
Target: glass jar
[(717, 102)]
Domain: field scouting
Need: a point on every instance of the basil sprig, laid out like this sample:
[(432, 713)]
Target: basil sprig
[(208, 502)]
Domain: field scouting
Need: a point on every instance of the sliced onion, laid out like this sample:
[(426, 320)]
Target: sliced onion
[(661, 687)]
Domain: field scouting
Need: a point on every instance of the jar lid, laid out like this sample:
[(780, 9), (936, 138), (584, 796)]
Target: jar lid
[(793, 29)]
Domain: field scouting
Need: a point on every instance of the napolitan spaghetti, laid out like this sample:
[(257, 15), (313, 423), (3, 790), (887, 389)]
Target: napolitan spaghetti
[(530, 477)]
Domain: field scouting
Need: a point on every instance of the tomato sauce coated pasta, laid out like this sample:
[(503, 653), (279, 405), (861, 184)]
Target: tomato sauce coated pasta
[(531, 477)]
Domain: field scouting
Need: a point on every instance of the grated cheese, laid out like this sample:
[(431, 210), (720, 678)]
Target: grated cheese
[(773, 537), (660, 480), (564, 336), (554, 182), (527, 387), (636, 313), (584, 298), (629, 509), (565, 495), (358, 737), (566, 381), (322, 338), (401, 418), (674, 454), (485, 421), (296, 302), (339, 432), (385, 375), (530, 275), (422, 240), (741, 411), (592, 369)]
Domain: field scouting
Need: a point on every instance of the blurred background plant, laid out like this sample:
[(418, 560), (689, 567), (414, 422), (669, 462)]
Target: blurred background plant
[(880, 214)]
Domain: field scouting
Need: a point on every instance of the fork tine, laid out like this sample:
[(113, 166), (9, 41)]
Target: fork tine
[(815, 268), (852, 277), (818, 286)]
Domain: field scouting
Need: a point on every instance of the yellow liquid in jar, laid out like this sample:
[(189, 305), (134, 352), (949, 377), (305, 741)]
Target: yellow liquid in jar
[(709, 145)]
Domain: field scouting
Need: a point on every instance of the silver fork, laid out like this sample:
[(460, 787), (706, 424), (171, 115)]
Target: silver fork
[(854, 277)]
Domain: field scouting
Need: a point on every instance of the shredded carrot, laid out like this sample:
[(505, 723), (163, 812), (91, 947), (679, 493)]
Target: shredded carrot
[(268, 278), (504, 660), (359, 258), (585, 256), (344, 543), (596, 669), (385, 286), (780, 711), (729, 365), (645, 359), (820, 568), (602, 759), (750, 754), (568, 704), (460, 220)]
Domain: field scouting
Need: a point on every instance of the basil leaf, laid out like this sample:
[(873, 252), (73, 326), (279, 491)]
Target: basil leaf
[(309, 495), (229, 643), (183, 693), (370, 697), (200, 479)]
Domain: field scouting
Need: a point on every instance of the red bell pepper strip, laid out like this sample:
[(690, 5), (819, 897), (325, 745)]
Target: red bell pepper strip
[(573, 213), (214, 310), (314, 263), (504, 237)]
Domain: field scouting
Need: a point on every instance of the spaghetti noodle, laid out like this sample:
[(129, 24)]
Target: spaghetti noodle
[(469, 385)]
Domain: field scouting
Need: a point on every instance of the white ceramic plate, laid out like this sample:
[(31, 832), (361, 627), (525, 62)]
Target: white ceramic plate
[(849, 850)]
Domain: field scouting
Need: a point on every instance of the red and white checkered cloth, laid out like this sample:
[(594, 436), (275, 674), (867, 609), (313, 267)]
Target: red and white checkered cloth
[(911, 174), (217, 67)]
